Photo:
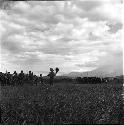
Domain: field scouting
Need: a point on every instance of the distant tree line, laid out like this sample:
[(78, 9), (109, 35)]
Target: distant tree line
[(97, 80), (90, 80)]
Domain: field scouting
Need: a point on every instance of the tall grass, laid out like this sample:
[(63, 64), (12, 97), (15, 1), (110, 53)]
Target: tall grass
[(62, 104)]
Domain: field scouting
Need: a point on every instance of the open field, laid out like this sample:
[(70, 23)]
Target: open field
[(62, 104)]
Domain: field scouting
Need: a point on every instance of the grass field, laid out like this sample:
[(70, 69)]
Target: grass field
[(62, 104)]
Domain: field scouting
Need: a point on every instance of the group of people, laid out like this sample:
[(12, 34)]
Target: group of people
[(21, 78)]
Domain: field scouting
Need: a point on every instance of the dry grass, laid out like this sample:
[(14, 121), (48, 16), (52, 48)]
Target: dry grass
[(62, 104)]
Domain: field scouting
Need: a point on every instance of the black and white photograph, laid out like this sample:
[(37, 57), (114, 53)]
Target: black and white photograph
[(61, 62)]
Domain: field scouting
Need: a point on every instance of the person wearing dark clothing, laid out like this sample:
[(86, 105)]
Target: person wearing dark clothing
[(15, 78), (2, 78), (21, 77), (8, 77), (35, 79), (52, 75), (41, 79), (30, 77)]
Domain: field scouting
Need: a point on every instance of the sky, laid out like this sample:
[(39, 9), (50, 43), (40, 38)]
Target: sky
[(76, 36)]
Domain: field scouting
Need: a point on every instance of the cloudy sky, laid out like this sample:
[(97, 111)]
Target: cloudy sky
[(72, 35)]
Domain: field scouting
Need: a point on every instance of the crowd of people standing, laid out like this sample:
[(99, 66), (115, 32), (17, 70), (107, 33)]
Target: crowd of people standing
[(17, 78), (29, 78)]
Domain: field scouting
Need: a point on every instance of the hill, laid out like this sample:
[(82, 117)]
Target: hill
[(97, 73)]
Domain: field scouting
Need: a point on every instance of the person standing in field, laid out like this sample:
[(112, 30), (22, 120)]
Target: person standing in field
[(52, 75), (21, 77), (15, 78), (41, 79)]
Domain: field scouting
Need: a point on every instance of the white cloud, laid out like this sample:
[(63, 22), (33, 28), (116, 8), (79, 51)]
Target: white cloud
[(37, 35), (110, 11)]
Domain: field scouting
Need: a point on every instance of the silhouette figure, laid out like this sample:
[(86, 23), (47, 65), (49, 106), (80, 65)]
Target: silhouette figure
[(8, 78), (30, 75), (21, 77), (52, 75), (15, 78), (41, 79), (57, 69)]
